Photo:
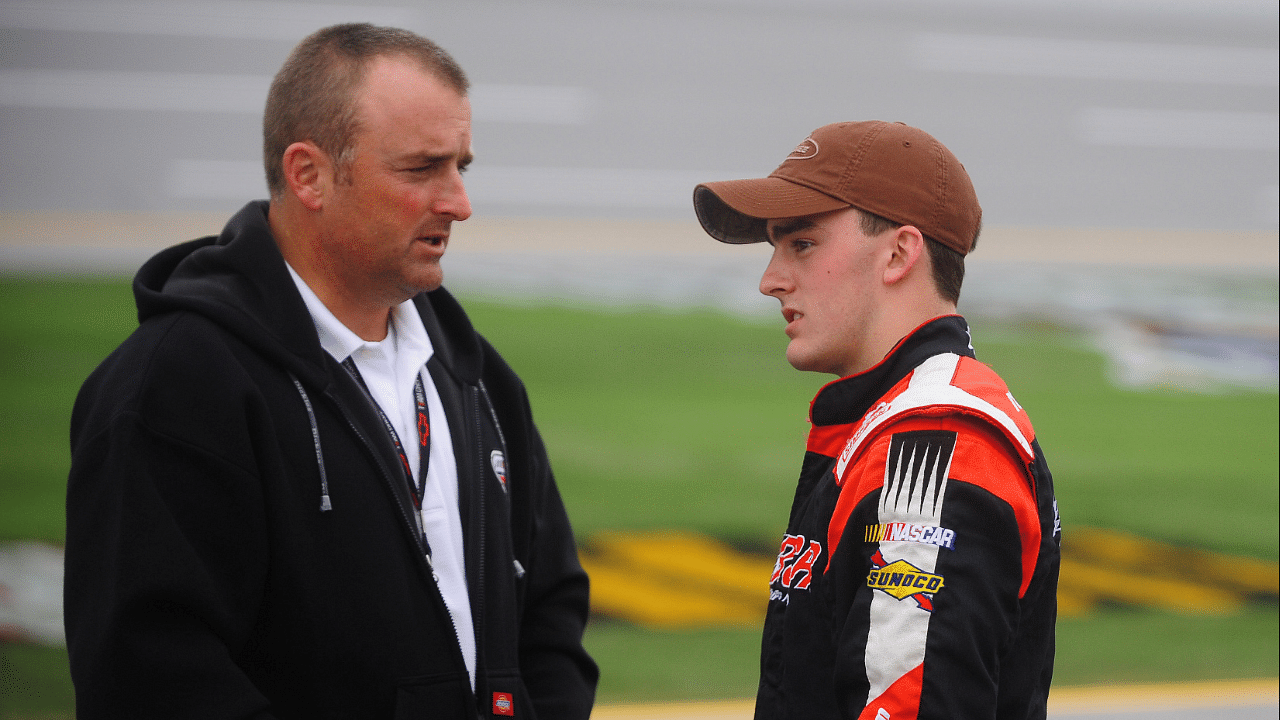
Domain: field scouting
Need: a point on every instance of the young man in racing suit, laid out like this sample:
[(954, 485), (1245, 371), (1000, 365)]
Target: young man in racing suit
[(918, 573)]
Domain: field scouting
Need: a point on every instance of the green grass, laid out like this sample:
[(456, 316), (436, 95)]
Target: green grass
[(710, 664), (1121, 645), (1180, 467), (34, 683), (659, 419), (1112, 646), (52, 335)]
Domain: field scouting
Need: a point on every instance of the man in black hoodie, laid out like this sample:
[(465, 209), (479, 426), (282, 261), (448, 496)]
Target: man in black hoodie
[(305, 487)]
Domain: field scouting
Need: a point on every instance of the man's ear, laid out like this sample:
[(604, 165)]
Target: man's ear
[(905, 251), (307, 173)]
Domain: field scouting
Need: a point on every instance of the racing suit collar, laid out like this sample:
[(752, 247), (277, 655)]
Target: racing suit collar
[(844, 401)]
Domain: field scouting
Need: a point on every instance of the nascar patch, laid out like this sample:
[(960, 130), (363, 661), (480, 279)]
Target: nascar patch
[(913, 533), (901, 580)]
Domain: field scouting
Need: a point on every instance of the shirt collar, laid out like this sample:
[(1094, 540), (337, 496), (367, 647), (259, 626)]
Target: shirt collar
[(339, 341)]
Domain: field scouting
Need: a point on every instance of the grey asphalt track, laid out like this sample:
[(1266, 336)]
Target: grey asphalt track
[(1067, 113)]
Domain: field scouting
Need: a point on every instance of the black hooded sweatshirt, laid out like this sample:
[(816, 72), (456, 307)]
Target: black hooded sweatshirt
[(240, 541)]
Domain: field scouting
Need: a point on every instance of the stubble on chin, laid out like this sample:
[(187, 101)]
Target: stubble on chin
[(423, 280)]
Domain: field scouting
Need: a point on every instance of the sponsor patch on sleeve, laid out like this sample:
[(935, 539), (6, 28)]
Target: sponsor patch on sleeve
[(794, 567), (912, 533), (901, 580)]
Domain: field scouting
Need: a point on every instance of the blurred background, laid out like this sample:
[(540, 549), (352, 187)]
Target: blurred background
[(1117, 133), (1125, 153)]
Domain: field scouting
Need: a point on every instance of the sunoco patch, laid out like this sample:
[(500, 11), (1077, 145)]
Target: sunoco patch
[(901, 580)]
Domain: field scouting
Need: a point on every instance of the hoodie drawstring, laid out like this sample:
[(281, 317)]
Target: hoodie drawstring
[(325, 504)]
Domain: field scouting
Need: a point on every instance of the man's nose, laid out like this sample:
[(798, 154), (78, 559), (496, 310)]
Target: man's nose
[(453, 201), (775, 282)]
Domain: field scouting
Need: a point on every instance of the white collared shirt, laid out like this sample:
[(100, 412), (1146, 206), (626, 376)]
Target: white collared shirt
[(390, 369)]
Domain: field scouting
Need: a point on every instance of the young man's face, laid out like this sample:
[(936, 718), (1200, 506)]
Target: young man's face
[(386, 226), (825, 271)]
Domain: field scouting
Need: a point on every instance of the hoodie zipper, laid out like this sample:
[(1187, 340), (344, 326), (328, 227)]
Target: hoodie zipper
[(409, 518), (424, 549), (482, 551), (414, 523), (425, 552)]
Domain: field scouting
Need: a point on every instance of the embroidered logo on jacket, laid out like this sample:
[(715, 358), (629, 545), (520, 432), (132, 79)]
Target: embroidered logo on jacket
[(498, 462), (502, 704), (851, 444), (913, 533), (901, 580), (794, 566)]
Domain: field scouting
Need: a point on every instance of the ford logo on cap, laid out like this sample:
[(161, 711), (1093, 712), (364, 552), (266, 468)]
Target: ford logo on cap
[(804, 150)]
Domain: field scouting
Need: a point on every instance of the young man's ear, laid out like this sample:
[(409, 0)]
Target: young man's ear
[(905, 252), (307, 173)]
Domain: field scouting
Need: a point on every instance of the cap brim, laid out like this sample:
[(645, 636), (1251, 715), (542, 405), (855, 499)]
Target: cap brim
[(736, 211)]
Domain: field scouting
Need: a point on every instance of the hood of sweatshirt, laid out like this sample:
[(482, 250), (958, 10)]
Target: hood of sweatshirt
[(239, 280)]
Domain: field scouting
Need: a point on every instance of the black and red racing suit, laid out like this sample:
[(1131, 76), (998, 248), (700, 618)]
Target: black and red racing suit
[(918, 575)]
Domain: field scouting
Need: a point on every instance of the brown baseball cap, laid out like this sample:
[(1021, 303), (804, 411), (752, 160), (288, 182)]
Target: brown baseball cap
[(889, 169)]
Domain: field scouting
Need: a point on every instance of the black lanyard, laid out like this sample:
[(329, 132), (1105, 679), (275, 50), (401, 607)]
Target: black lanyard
[(423, 427)]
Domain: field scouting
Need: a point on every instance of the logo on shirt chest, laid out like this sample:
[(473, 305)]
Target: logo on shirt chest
[(498, 462)]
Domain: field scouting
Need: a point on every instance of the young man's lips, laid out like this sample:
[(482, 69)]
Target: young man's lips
[(791, 316)]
